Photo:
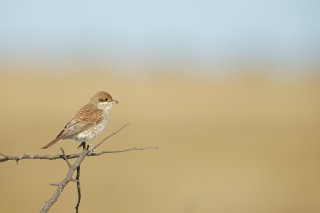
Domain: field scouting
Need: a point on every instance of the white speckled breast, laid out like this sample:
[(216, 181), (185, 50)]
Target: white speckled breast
[(93, 131)]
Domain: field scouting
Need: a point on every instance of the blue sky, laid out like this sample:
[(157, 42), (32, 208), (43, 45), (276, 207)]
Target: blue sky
[(283, 31)]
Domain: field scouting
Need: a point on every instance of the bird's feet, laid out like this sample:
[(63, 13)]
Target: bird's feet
[(87, 146), (83, 145)]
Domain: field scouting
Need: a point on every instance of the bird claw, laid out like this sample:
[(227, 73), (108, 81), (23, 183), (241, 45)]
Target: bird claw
[(82, 144), (87, 146)]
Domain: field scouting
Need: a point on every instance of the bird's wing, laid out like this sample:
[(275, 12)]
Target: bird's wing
[(87, 116)]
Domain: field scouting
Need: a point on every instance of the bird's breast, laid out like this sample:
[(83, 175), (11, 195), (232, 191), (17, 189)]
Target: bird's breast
[(93, 131)]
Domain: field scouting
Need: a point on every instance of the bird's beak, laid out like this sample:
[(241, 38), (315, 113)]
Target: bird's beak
[(115, 102)]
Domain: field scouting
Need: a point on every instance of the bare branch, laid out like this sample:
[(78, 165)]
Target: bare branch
[(106, 138), (64, 182), (68, 156), (78, 189), (54, 157), (30, 156), (72, 167), (118, 151), (65, 157)]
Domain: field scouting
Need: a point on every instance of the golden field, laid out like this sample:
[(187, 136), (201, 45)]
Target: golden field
[(246, 144)]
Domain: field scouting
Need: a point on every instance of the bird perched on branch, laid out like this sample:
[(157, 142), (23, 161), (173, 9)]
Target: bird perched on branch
[(89, 121)]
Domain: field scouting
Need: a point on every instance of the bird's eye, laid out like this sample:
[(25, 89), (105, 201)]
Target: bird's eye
[(106, 99)]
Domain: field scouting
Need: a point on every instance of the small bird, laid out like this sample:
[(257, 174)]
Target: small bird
[(89, 121)]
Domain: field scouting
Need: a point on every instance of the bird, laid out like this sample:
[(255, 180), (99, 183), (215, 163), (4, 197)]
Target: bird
[(88, 122)]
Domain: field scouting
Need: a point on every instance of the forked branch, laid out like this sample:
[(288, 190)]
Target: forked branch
[(71, 167), (68, 156)]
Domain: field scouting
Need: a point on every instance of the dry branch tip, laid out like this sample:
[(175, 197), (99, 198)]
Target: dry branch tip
[(65, 157)]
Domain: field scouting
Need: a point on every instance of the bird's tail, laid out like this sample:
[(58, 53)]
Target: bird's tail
[(52, 142)]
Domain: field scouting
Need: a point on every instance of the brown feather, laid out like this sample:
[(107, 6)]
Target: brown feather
[(87, 116), (53, 142)]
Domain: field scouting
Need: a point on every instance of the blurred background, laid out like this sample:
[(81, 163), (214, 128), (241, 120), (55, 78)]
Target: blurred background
[(229, 91)]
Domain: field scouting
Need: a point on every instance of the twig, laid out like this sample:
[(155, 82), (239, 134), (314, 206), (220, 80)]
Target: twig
[(78, 189), (106, 138), (68, 178), (72, 168), (54, 157), (118, 151), (30, 156), (65, 158), (68, 156), (64, 182)]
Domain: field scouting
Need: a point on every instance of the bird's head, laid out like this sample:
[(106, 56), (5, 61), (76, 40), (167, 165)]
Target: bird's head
[(103, 100)]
